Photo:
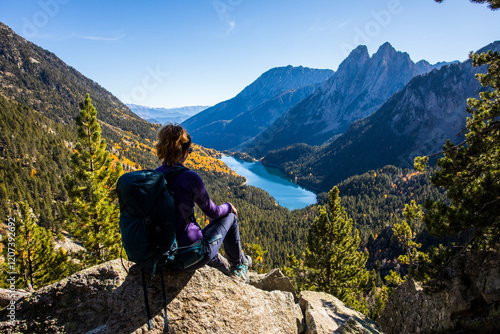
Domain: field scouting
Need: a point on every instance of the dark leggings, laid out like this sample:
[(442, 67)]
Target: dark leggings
[(227, 228)]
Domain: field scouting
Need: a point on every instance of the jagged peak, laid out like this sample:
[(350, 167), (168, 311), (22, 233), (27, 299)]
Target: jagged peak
[(386, 47), (360, 51), (356, 58), (386, 51)]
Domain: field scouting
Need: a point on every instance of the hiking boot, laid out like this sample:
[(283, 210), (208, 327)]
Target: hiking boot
[(240, 273)]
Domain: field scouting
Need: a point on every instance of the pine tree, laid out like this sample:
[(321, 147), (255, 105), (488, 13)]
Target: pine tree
[(406, 237), (36, 262), (337, 265), (470, 171), (93, 211)]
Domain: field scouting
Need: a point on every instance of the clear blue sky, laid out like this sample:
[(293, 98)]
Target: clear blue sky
[(173, 53)]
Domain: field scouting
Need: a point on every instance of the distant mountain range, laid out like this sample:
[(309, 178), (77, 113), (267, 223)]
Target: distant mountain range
[(358, 88), (414, 121), (232, 122), (165, 115)]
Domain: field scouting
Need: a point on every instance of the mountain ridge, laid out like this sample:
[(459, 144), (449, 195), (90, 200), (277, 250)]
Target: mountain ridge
[(358, 88), (211, 127), (164, 115)]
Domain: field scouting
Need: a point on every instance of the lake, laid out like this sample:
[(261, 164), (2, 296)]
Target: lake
[(286, 193)]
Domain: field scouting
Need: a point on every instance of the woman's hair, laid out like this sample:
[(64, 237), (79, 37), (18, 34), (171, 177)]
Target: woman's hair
[(173, 140)]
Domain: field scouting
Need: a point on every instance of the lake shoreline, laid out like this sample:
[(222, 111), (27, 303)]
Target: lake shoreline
[(287, 193)]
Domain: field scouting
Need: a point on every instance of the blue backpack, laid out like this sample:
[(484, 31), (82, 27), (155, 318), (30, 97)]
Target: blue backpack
[(147, 221), (147, 224)]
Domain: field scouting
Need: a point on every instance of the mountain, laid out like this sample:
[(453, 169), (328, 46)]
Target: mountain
[(39, 99), (39, 79), (358, 88), (165, 115), (255, 107), (415, 121)]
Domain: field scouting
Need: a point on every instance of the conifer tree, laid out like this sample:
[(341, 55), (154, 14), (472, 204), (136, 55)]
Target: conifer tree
[(93, 211), (337, 265), (406, 237), (470, 171), (36, 262)]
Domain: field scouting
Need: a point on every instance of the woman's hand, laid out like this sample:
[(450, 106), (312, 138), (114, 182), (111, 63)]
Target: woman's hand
[(233, 210)]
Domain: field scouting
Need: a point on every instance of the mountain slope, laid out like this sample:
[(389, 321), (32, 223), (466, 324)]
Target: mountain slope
[(358, 88), (38, 79), (281, 87), (415, 121)]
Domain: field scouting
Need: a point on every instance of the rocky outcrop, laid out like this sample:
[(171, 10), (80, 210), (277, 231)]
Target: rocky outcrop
[(466, 298), (107, 299), (6, 296), (326, 314), (274, 280)]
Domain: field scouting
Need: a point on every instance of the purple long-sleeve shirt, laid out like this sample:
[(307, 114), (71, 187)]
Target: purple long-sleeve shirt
[(188, 189)]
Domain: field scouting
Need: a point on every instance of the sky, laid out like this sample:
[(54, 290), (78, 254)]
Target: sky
[(174, 53)]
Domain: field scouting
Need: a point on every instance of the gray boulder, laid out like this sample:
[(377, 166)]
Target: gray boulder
[(105, 299), (274, 280), (327, 314)]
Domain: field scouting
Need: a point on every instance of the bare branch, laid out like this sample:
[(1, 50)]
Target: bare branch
[(486, 204)]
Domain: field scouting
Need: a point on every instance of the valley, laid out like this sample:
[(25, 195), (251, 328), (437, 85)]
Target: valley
[(280, 151)]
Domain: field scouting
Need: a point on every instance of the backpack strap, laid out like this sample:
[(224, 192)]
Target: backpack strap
[(173, 172), (146, 300), (170, 175), (164, 301)]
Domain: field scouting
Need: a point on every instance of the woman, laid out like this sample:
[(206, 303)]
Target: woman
[(173, 148)]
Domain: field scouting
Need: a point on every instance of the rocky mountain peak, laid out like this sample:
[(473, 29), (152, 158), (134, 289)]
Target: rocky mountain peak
[(280, 79), (356, 59), (358, 88), (386, 49), (386, 56)]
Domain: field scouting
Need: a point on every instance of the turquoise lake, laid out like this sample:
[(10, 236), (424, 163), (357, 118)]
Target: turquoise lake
[(286, 193)]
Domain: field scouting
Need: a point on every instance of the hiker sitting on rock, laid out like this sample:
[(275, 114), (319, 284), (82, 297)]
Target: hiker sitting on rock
[(173, 148)]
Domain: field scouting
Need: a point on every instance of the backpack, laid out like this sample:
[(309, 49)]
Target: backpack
[(147, 224)]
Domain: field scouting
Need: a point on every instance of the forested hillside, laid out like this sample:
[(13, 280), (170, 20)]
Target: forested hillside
[(34, 158), (37, 78), (376, 199)]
